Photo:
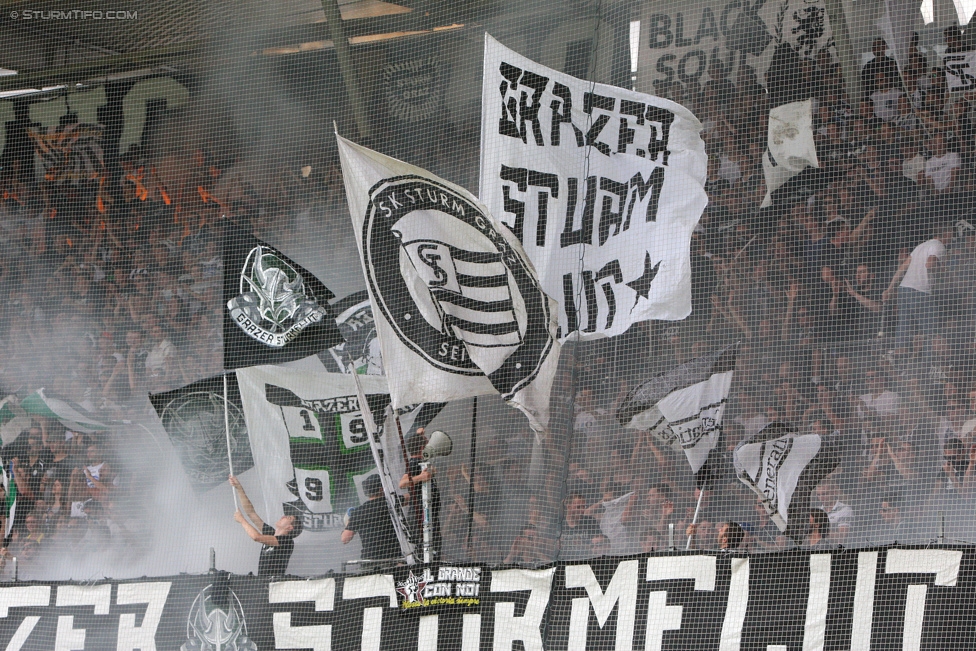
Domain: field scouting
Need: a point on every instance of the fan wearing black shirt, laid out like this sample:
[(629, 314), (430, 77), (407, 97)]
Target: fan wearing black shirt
[(880, 64), (373, 524), (578, 537), (29, 466), (277, 542)]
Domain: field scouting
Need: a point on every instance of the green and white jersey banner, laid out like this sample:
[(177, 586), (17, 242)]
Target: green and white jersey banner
[(310, 447)]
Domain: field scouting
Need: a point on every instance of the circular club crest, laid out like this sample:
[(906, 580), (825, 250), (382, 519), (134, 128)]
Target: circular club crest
[(361, 347), (414, 88), (447, 282), (195, 424)]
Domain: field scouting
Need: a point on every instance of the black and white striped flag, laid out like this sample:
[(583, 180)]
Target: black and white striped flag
[(683, 408), (783, 467), (470, 290)]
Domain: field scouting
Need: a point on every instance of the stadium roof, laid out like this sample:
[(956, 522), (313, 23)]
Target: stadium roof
[(50, 43)]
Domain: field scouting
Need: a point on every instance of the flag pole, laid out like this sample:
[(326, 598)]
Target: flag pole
[(403, 445), (415, 509), (389, 488), (694, 520), (474, 444), (230, 459)]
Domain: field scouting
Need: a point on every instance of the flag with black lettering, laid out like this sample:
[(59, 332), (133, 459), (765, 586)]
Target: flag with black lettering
[(275, 311), (960, 69), (200, 426), (458, 308), (310, 444), (706, 41), (602, 186), (783, 467), (683, 408)]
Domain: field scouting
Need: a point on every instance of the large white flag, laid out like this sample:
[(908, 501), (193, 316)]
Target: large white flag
[(791, 147), (458, 308), (309, 443), (602, 185)]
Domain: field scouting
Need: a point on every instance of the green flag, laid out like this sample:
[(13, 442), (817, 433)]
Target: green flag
[(71, 415)]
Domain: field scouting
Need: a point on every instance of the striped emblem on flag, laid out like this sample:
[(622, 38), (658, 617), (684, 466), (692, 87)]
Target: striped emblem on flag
[(481, 312), (471, 290)]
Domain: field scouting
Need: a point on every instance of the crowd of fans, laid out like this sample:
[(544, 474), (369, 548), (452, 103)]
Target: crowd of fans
[(112, 289), (852, 297), (69, 492)]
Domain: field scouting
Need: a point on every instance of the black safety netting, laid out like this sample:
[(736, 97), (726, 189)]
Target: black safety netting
[(782, 188)]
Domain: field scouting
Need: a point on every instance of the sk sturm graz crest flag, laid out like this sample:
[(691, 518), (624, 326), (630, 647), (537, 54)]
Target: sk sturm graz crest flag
[(274, 310), (683, 408), (310, 444), (782, 468), (193, 417), (361, 348), (458, 307)]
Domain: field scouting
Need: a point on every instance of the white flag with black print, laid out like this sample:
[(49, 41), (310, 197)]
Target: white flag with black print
[(683, 408), (458, 307), (790, 147), (783, 467), (310, 447), (960, 69), (602, 185), (361, 348)]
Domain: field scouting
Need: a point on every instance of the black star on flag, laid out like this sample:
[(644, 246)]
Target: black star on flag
[(643, 284)]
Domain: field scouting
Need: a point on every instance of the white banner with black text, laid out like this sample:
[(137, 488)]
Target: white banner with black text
[(879, 599), (602, 185)]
